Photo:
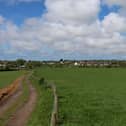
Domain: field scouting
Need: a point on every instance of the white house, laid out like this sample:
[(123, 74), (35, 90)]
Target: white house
[(76, 64), (2, 65)]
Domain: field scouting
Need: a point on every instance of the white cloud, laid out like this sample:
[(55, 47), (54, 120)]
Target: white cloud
[(114, 23), (120, 3), (1, 20), (115, 2), (69, 11), (68, 26)]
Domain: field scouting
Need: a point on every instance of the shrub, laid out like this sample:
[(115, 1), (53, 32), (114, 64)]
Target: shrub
[(41, 81)]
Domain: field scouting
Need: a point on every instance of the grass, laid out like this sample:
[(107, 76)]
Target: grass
[(87, 97), (8, 77), (42, 113)]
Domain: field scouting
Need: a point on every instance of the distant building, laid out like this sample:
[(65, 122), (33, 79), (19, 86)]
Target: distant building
[(2, 65), (51, 63), (76, 64), (61, 62), (22, 67)]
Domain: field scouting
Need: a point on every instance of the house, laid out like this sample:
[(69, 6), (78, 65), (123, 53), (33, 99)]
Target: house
[(2, 65), (76, 64), (22, 67)]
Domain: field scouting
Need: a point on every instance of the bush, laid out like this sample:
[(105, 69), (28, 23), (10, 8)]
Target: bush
[(41, 81)]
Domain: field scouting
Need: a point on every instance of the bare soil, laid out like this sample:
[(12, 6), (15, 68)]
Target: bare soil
[(5, 103), (22, 115)]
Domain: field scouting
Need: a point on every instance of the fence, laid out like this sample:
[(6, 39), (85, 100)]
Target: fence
[(54, 117)]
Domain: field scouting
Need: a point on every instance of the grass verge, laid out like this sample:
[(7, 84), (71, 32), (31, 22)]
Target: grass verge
[(42, 113)]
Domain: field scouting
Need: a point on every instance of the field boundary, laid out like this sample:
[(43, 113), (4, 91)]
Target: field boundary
[(54, 116)]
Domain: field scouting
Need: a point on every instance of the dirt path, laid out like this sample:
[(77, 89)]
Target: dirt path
[(21, 116), (4, 105)]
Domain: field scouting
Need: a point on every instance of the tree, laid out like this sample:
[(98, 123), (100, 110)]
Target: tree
[(61, 60), (20, 62)]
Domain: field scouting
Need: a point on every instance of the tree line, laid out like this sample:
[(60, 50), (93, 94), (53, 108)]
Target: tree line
[(29, 64)]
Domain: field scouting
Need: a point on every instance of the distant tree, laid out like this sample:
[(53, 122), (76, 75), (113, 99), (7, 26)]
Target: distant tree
[(20, 62), (33, 64), (29, 65), (61, 60)]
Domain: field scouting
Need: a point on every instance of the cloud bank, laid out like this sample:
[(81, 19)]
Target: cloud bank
[(68, 27)]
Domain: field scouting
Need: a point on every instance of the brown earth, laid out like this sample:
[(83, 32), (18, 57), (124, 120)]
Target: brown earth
[(22, 115), (9, 99), (10, 90)]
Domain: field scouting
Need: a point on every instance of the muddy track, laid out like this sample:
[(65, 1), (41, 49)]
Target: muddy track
[(22, 115), (6, 103)]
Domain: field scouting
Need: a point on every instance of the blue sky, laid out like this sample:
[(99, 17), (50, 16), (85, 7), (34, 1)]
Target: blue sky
[(105, 10), (20, 21), (20, 11)]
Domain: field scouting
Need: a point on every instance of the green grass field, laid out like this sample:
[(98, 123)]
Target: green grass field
[(89, 97), (8, 77)]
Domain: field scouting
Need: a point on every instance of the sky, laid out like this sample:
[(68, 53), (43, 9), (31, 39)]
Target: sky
[(68, 29)]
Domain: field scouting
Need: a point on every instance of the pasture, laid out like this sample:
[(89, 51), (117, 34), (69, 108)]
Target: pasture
[(8, 77), (87, 97)]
